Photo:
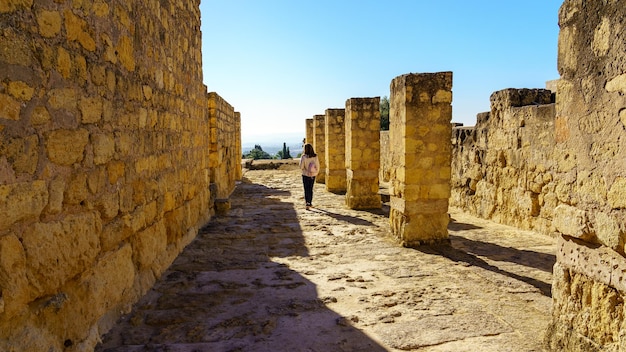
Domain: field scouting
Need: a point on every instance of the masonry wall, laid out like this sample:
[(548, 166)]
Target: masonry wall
[(503, 167), (225, 150), (590, 129), (104, 168)]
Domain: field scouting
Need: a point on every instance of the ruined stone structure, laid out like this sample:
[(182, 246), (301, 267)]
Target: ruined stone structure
[(319, 144), (104, 161), (225, 150), (419, 139), (335, 158), (560, 169), (362, 118), (590, 131), (503, 168), (385, 158), (309, 130)]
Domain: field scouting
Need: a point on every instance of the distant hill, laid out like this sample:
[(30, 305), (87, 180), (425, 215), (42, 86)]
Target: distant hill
[(274, 143)]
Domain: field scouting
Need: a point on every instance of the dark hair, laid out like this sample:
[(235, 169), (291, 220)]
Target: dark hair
[(308, 150)]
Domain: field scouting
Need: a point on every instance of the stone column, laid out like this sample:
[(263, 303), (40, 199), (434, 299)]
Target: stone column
[(419, 133), (238, 170), (309, 131), (362, 152), (334, 127), (319, 141)]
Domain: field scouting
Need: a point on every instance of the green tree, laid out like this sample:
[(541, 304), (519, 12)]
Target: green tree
[(257, 153), (284, 154), (384, 113)]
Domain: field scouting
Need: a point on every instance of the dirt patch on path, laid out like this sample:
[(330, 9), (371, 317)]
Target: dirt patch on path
[(272, 276)]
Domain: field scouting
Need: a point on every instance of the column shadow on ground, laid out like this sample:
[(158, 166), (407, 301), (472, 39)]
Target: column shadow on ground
[(228, 291), (528, 258), (455, 254)]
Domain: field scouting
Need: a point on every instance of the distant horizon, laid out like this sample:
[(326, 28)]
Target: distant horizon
[(275, 138), (287, 60)]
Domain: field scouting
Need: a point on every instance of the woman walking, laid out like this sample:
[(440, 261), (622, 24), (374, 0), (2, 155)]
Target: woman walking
[(310, 166)]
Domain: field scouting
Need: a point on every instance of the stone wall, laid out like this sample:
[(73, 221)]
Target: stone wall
[(225, 150), (590, 130), (503, 168), (104, 165)]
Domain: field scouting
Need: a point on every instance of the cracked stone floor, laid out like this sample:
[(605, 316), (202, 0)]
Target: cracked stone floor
[(272, 276)]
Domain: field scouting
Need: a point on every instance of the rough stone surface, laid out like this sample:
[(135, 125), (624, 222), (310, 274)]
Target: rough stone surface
[(335, 148), (272, 276), (419, 144), (588, 288), (319, 145), (105, 167), (362, 119), (225, 153)]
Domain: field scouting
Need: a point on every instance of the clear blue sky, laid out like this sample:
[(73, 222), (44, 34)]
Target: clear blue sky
[(279, 62)]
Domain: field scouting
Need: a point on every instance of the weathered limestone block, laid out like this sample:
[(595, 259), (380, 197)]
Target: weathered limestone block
[(91, 109), (66, 147), (23, 152), (40, 116), (94, 293), (103, 148), (76, 190), (335, 150), (362, 129), (147, 244), (609, 230), (58, 251), (10, 108), (419, 133), (21, 201), (617, 194), (319, 145), (13, 280), (21, 90), (571, 221), (49, 23)]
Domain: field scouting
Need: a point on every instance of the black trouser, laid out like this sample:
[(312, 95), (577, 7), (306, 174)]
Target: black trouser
[(308, 183)]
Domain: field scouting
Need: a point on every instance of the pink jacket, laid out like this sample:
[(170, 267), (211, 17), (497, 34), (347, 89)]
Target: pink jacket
[(309, 166)]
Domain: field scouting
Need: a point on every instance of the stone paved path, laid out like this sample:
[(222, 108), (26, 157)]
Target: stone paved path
[(272, 276)]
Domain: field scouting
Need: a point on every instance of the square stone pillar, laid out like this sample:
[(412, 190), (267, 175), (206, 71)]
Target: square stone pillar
[(319, 140), (362, 153), (239, 151), (335, 157), (419, 137), (309, 131)]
